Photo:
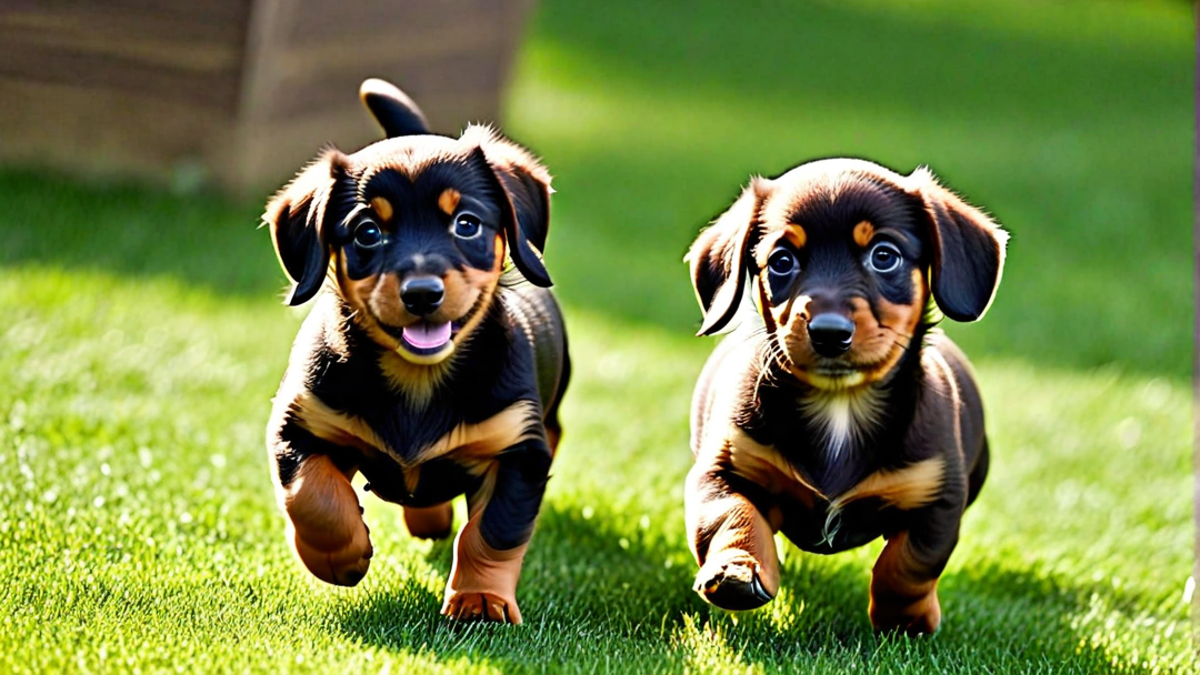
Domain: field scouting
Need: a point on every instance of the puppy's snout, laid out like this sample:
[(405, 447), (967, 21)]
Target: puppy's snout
[(422, 295), (830, 334)]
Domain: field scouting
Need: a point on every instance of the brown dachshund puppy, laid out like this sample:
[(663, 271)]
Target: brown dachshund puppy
[(425, 365), (837, 413)]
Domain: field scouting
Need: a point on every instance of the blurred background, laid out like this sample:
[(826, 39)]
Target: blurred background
[(1068, 122), (234, 92), (143, 331)]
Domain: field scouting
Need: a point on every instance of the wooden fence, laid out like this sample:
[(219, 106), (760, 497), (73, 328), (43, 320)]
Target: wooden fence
[(241, 92)]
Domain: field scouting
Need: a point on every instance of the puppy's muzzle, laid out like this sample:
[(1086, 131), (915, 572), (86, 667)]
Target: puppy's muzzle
[(422, 295), (830, 334)]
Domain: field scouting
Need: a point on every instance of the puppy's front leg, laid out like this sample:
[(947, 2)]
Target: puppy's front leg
[(732, 540), (325, 521), (904, 580), (491, 545)]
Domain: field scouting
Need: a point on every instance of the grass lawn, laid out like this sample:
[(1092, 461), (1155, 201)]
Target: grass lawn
[(143, 336)]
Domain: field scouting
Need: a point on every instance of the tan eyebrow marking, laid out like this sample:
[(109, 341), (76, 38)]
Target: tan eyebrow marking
[(863, 233), (383, 208), (448, 200), (796, 235)]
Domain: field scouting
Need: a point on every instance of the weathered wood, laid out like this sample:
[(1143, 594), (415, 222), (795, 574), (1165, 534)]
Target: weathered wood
[(248, 89)]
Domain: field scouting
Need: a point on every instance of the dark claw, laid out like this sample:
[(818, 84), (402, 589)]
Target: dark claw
[(759, 592), (731, 593), (351, 578)]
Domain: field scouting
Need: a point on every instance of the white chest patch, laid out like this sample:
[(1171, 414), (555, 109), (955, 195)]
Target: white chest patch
[(842, 417)]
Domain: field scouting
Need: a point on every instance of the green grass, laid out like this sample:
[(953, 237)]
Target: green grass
[(142, 339)]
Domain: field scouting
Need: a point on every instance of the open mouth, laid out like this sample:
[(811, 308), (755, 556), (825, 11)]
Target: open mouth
[(425, 338), (427, 342)]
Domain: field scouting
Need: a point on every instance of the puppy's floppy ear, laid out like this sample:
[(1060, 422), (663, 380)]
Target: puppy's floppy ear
[(524, 188), (718, 257), (968, 250), (300, 217), (392, 109)]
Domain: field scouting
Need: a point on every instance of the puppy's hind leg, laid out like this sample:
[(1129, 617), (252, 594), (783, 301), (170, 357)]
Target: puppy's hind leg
[(904, 580), (430, 522), (732, 541), (325, 522)]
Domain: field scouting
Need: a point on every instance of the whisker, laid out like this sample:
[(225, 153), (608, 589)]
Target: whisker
[(893, 330), (907, 337), (766, 356)]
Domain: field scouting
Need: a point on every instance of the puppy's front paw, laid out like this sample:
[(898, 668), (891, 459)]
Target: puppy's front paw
[(432, 522), (341, 561), (920, 616), (481, 606), (733, 581)]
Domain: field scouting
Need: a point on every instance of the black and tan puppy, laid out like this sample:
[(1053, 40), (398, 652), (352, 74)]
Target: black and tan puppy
[(425, 365), (837, 413)]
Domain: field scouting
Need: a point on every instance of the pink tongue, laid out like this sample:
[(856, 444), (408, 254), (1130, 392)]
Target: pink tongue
[(424, 335)]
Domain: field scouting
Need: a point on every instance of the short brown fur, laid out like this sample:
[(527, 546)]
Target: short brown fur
[(417, 367), (844, 415), (863, 232), (383, 208), (448, 201), (327, 531)]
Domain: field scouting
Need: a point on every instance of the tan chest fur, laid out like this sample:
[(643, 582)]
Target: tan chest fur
[(906, 488), (474, 446)]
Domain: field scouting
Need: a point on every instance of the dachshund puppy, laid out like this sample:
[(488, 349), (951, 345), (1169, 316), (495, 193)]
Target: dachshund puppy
[(837, 413), (426, 365)]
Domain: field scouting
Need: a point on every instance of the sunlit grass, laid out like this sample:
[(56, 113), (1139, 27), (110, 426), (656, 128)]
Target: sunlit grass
[(143, 337), (140, 528)]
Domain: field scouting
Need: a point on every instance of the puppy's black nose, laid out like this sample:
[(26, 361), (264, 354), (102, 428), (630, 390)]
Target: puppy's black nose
[(830, 334), (422, 295)]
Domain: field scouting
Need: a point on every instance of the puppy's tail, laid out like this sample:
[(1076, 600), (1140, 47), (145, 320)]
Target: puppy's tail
[(392, 108)]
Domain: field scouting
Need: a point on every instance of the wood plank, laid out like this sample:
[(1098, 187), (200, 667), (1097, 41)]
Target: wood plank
[(250, 88), (322, 21), (271, 153), (102, 131), (178, 53), (213, 21), (446, 75), (217, 90)]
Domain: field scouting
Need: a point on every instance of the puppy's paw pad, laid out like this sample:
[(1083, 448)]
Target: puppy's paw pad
[(344, 567), (920, 617), (481, 607), (732, 584)]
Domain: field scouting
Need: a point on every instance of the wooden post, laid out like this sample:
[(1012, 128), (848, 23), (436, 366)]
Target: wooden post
[(243, 91)]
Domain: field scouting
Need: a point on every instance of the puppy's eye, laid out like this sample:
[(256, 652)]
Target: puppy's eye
[(467, 226), (884, 257), (367, 234), (781, 262)]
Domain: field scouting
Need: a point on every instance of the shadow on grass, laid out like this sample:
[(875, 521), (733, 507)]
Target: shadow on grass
[(592, 595), (580, 588)]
